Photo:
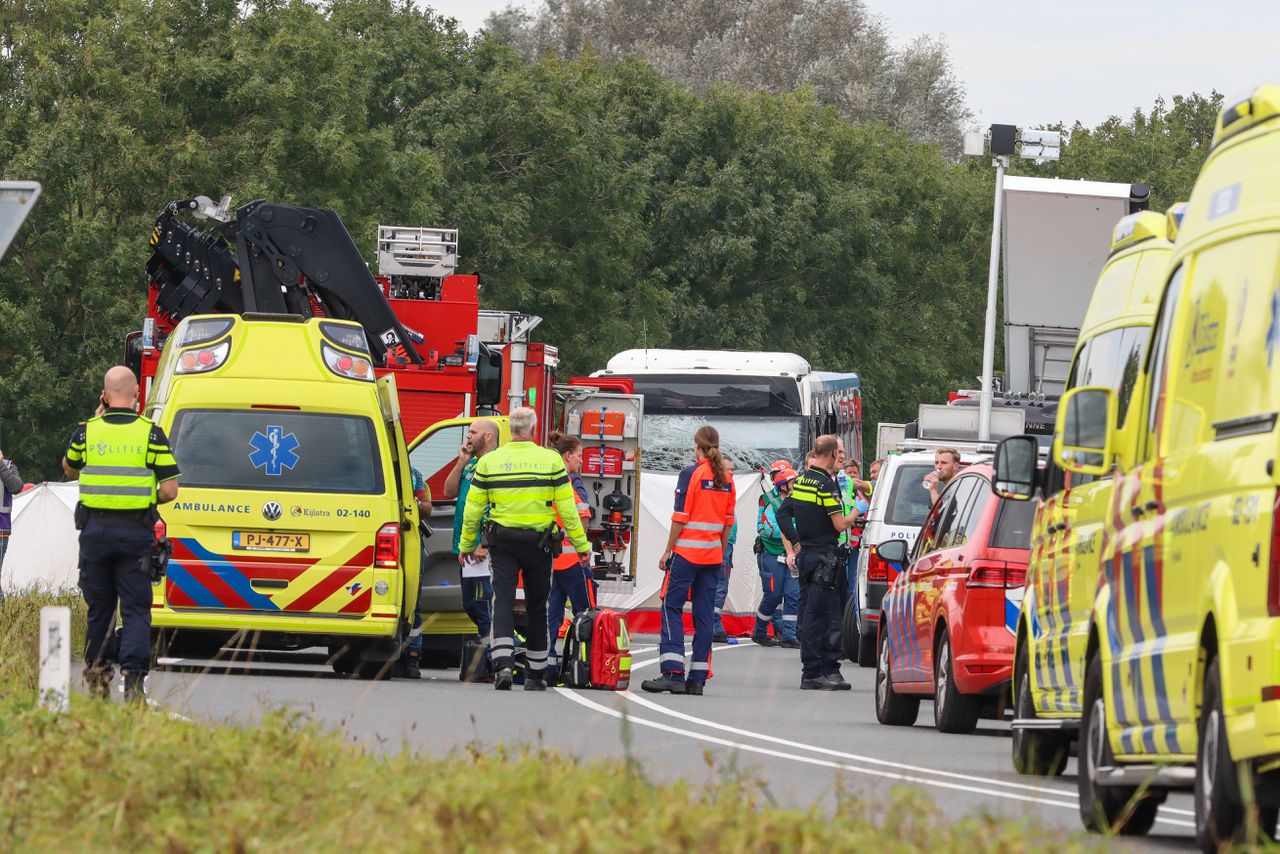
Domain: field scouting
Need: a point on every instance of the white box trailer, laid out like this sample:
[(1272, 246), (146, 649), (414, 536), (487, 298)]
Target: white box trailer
[(1056, 235)]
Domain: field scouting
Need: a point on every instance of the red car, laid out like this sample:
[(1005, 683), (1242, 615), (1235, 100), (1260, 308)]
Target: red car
[(947, 623)]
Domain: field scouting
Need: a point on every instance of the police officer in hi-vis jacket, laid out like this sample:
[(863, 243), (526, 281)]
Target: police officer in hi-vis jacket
[(522, 486), (125, 468)]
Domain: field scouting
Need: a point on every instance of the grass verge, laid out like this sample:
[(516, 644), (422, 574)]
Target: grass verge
[(111, 777)]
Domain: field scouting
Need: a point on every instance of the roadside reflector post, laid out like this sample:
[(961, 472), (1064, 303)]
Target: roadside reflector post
[(55, 658)]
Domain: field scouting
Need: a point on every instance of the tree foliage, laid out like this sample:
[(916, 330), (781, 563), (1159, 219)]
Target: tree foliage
[(625, 208), (836, 47), (1163, 148)]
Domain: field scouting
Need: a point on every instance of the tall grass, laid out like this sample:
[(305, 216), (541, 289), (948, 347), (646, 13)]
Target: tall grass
[(20, 638), (110, 777)]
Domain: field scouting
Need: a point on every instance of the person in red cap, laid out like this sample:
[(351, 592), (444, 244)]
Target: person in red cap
[(774, 557)]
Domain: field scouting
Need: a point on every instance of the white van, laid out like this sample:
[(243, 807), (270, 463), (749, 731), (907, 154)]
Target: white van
[(898, 507)]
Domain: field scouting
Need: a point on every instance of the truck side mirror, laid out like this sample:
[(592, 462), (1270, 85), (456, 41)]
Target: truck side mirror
[(488, 377), (1084, 440), (1016, 466), (893, 551)]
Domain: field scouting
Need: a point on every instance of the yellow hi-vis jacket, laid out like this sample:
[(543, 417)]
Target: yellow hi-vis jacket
[(115, 475), (522, 484)]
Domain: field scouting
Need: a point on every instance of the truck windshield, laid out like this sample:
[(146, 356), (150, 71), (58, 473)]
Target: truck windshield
[(277, 451), (752, 443), (714, 394), (908, 501)]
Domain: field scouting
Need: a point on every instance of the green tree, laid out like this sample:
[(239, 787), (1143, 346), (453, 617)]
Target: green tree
[(837, 48), (1163, 147)]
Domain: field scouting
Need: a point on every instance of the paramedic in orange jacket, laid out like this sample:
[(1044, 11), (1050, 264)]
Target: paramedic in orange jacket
[(570, 580), (695, 551)]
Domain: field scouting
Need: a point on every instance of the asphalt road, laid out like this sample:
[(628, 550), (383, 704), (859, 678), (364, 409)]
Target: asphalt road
[(753, 717)]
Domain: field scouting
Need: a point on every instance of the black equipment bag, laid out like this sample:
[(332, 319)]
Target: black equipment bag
[(475, 661)]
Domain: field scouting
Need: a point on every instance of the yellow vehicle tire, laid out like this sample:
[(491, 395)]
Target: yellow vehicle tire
[(1120, 810), (1220, 814), (1035, 752)]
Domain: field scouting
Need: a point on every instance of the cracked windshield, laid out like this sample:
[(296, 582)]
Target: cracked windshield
[(758, 418)]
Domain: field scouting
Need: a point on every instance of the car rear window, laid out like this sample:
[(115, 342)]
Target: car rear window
[(277, 450), (909, 501), (1013, 525)]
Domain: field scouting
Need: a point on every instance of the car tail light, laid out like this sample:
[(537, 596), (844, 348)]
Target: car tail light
[(1015, 576), (350, 365), (877, 567), (198, 360), (386, 548), (1273, 572), (990, 575)]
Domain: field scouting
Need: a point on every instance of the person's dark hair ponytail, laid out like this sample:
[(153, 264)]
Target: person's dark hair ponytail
[(707, 439)]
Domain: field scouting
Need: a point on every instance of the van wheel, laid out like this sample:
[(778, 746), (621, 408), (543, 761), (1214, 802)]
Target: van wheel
[(347, 659), (1037, 752), (190, 643), (892, 708), (952, 711), (850, 634), (867, 648), (1106, 809), (1220, 816)]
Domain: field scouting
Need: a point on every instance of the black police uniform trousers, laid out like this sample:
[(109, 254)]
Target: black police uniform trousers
[(111, 553), (508, 560), (821, 610)]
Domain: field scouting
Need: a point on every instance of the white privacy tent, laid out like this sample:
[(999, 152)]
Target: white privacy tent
[(657, 497), (44, 551)]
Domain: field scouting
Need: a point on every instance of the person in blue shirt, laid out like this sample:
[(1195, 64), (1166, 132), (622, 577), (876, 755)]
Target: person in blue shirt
[(477, 588), (775, 559), (722, 583)]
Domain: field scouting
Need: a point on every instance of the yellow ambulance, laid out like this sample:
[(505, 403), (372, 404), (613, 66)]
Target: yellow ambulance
[(1181, 672), (296, 521), (1061, 577)]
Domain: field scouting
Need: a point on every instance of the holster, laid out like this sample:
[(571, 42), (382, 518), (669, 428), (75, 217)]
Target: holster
[(825, 572), (81, 516), (758, 546), (548, 539), (156, 564)]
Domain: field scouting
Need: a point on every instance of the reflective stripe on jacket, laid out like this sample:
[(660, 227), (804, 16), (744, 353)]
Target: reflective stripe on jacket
[(115, 474), (705, 510), (522, 485)]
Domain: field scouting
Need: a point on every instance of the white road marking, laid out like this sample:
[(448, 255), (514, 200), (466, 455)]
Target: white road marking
[(904, 772), (778, 754)]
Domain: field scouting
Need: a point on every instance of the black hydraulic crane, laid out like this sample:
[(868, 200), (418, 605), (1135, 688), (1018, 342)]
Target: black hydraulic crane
[(271, 258)]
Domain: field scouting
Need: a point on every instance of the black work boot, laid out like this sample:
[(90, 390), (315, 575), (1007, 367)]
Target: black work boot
[(134, 689), (535, 682), (98, 680), (502, 679), (662, 683), (694, 688), (411, 668)]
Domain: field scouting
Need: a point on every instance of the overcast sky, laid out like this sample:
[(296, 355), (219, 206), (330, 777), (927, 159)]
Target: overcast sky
[(1071, 59)]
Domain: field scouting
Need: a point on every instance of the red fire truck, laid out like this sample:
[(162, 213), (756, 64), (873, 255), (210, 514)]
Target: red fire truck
[(422, 319)]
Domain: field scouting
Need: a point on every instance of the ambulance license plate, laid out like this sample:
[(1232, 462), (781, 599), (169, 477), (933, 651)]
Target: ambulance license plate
[(270, 541)]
